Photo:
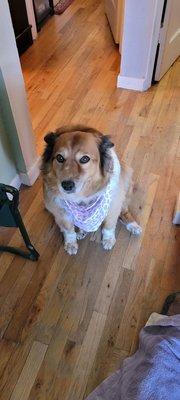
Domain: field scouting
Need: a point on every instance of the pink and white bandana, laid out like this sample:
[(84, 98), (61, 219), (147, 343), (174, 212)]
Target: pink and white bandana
[(90, 216)]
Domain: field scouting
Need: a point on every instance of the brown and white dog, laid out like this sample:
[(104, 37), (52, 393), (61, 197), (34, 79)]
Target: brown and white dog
[(85, 185)]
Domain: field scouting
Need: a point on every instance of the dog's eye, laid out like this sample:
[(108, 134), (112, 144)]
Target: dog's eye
[(60, 158), (84, 159)]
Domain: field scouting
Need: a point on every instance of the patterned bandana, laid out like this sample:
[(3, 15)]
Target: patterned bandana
[(90, 216)]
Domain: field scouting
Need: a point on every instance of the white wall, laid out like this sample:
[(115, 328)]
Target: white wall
[(10, 152), (14, 82), (140, 37)]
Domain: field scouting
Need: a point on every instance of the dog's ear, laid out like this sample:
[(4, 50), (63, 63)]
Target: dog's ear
[(105, 157), (50, 139)]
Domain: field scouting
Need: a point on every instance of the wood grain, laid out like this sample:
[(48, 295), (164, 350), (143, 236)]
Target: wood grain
[(29, 372)]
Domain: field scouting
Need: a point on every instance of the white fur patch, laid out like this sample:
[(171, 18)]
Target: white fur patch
[(134, 228), (69, 237), (71, 248), (70, 242), (108, 238), (108, 233)]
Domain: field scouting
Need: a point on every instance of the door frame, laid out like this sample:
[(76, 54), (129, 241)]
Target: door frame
[(15, 87), (166, 20), (142, 21)]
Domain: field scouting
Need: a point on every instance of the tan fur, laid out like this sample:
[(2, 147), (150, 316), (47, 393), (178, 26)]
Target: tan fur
[(73, 142)]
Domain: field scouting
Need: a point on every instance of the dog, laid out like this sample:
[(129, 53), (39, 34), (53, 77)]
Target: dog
[(85, 185)]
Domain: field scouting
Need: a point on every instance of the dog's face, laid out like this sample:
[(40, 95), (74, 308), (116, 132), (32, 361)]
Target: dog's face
[(78, 158)]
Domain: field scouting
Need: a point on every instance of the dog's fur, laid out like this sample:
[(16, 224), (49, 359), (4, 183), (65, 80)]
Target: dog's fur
[(91, 178)]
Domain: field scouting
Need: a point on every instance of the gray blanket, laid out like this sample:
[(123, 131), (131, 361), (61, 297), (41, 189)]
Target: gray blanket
[(153, 372)]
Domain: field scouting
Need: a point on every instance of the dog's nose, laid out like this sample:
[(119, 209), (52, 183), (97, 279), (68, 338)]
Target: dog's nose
[(68, 185)]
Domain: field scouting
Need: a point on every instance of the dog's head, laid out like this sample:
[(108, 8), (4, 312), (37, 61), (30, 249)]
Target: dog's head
[(78, 158)]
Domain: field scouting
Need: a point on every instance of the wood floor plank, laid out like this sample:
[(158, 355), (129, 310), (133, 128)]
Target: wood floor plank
[(86, 357), (135, 244), (6, 350), (29, 372), (113, 273), (109, 357), (13, 368), (27, 311), (77, 292)]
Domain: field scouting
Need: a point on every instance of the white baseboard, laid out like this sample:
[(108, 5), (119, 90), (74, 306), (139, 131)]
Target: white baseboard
[(128, 82), (27, 178), (16, 182), (30, 177)]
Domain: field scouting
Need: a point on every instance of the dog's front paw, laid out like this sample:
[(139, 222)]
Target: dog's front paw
[(134, 228), (81, 234), (108, 238), (71, 248), (108, 244)]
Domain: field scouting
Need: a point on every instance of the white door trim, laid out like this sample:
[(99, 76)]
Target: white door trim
[(27, 178), (32, 174), (166, 41), (135, 28)]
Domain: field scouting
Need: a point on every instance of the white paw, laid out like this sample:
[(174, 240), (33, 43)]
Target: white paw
[(108, 243), (71, 248), (81, 234), (134, 228)]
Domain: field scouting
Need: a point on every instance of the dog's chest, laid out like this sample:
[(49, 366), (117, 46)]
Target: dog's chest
[(89, 217)]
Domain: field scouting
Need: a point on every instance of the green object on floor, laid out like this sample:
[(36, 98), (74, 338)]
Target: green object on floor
[(11, 217)]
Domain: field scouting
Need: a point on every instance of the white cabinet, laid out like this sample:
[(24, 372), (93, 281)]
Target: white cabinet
[(114, 10)]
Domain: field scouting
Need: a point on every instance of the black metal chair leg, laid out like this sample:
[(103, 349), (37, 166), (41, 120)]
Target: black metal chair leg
[(11, 217), (33, 254)]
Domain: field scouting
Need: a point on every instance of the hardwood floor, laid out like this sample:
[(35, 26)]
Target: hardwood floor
[(67, 322)]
